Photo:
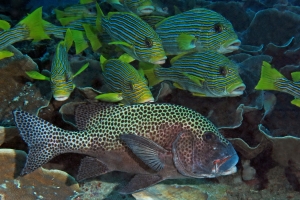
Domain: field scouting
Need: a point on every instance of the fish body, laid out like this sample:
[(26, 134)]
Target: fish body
[(153, 141), (198, 29), (30, 28), (271, 79), (134, 36), (80, 10), (122, 78), (205, 74), (61, 77)]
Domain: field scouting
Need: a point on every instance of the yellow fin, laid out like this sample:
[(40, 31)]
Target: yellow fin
[(81, 69), (91, 34), (178, 86), (34, 23), (296, 102), (149, 71), (110, 97), (121, 43), (68, 39), (186, 41), (59, 14), (198, 94), (98, 19), (38, 76), (296, 76), (177, 57), (86, 1), (199, 81), (126, 58), (102, 62), (5, 54), (80, 43), (267, 78), (67, 20), (4, 25), (159, 23)]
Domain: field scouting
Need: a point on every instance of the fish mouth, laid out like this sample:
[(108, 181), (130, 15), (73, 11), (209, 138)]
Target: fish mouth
[(225, 166), (61, 98), (145, 10), (147, 100), (236, 89), (230, 46), (160, 61)]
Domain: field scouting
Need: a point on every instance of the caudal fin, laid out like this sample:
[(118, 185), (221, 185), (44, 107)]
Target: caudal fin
[(42, 138), (268, 77)]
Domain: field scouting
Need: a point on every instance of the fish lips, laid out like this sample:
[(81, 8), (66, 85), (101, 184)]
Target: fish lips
[(230, 46), (160, 61), (145, 10), (225, 166)]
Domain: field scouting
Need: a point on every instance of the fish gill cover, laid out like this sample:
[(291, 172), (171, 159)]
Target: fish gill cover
[(245, 53)]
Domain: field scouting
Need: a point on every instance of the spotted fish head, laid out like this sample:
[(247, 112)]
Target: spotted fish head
[(207, 156)]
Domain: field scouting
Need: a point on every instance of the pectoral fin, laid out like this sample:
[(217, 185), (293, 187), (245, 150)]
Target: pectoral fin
[(5, 54), (110, 97), (126, 58), (38, 76), (198, 94), (147, 150), (198, 80), (296, 76), (296, 102), (186, 41), (140, 182), (81, 69), (91, 167), (176, 85), (121, 43), (4, 25)]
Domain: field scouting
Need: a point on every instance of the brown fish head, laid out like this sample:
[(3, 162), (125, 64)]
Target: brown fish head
[(206, 157)]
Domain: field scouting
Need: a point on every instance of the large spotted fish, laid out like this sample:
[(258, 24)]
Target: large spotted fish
[(205, 74), (123, 82), (153, 141), (198, 29), (134, 36)]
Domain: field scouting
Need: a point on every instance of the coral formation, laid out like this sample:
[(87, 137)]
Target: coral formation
[(42, 184)]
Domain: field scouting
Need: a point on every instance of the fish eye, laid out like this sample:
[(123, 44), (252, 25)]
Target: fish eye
[(148, 42), (218, 27), (223, 71), (209, 137)]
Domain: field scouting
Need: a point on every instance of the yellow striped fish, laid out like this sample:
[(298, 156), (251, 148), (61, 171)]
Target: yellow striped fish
[(197, 30), (134, 36), (29, 28), (204, 74), (271, 79), (124, 83), (77, 10), (61, 77), (138, 7)]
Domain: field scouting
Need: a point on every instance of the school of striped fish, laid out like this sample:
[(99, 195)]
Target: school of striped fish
[(127, 131)]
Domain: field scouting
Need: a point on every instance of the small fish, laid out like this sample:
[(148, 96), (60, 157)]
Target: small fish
[(153, 141), (269, 101), (123, 82), (271, 79), (61, 78), (204, 74), (30, 28), (80, 10), (134, 36), (198, 29), (138, 7)]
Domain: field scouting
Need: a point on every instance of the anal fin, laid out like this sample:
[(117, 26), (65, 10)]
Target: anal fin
[(140, 182), (91, 167)]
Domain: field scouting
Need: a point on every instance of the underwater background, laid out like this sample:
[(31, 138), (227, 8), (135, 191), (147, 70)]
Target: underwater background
[(261, 123)]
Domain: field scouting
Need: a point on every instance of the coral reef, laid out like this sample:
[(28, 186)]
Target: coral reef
[(41, 184)]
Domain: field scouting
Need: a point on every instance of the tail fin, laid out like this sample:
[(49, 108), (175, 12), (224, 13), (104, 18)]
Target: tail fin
[(268, 77), (149, 71), (34, 23), (91, 34), (42, 138), (79, 40)]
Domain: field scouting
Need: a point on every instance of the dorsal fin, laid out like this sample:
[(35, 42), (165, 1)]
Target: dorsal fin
[(84, 113)]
